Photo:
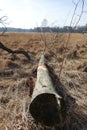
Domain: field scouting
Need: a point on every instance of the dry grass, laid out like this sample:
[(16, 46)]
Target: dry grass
[(15, 69)]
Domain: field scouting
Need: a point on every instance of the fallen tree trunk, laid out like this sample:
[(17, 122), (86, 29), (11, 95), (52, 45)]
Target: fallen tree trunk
[(46, 104)]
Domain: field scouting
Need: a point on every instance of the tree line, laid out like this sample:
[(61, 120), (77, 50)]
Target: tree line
[(65, 29)]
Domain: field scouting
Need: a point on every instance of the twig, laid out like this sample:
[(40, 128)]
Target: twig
[(69, 35), (3, 20), (80, 13)]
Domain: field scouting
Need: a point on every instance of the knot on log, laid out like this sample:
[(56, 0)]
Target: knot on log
[(31, 84)]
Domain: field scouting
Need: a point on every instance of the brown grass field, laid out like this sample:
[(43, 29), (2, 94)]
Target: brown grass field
[(16, 69)]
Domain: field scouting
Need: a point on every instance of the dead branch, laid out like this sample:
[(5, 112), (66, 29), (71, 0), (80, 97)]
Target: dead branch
[(25, 53)]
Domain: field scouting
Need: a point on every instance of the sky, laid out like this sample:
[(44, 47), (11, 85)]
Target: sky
[(31, 13)]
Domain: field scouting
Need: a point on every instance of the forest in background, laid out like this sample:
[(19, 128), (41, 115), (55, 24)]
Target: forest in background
[(65, 29)]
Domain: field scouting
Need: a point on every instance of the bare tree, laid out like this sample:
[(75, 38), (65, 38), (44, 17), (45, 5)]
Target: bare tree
[(44, 23)]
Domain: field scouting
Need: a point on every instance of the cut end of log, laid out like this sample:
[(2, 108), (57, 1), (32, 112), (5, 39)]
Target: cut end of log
[(45, 109)]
